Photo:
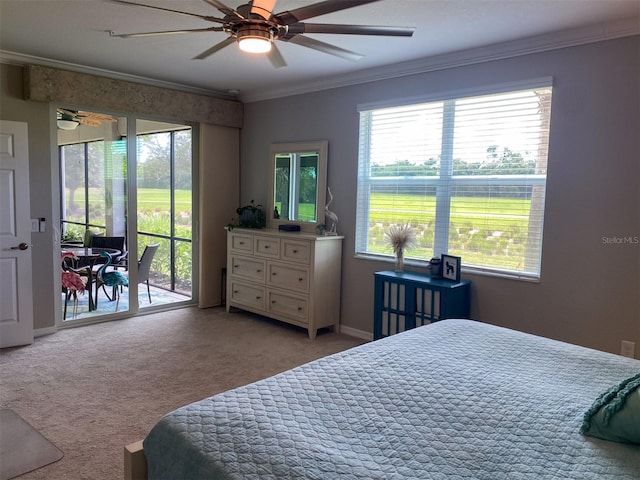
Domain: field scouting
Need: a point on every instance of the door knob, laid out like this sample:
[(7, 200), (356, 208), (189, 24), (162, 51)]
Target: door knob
[(22, 246)]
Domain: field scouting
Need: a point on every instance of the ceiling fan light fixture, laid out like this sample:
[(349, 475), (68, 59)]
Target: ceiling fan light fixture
[(254, 39), (67, 124)]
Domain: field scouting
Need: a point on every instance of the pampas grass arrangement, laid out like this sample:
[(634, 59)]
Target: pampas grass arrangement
[(401, 238)]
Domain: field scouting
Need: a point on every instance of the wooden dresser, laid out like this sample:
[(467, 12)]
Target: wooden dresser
[(290, 276)]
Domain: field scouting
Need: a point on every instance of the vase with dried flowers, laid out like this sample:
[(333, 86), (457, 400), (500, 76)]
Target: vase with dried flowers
[(401, 238)]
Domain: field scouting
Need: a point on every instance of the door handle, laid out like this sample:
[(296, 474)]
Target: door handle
[(22, 246)]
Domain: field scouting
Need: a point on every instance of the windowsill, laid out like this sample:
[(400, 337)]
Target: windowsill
[(465, 270)]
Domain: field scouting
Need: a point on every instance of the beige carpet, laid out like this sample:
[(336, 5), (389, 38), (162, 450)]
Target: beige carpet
[(91, 390)]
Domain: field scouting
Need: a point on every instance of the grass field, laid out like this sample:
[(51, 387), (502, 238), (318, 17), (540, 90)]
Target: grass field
[(153, 199), (489, 232), (150, 200), (484, 231)]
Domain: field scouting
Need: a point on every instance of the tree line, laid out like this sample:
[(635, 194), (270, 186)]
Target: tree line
[(505, 162)]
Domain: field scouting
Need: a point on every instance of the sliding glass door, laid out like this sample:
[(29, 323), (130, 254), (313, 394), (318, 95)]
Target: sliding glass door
[(103, 178), (93, 204), (164, 198)]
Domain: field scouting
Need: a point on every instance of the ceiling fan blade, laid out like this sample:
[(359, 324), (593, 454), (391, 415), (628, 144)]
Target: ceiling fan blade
[(164, 32), (203, 17), (351, 29), (97, 116), (223, 8), (275, 57), (264, 8), (217, 47), (92, 122), (317, 9), (324, 47)]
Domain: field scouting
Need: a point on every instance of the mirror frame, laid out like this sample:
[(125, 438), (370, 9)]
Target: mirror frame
[(322, 147)]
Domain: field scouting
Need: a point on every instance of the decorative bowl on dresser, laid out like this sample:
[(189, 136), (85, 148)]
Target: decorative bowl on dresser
[(289, 276)]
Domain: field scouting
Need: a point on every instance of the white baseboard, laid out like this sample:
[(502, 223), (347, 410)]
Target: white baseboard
[(39, 332), (353, 332)]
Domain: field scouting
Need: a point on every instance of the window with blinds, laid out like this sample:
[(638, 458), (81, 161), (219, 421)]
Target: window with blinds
[(468, 174)]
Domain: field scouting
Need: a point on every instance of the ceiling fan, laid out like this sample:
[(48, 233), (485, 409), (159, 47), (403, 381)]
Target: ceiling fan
[(255, 27), (70, 119)]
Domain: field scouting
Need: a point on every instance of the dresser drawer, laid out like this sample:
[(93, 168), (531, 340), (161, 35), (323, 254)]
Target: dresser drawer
[(288, 277), (249, 268), (291, 277), (296, 251), (267, 247), (289, 306), (241, 243), (249, 295)]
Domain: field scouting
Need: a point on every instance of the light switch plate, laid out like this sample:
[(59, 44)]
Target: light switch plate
[(35, 224)]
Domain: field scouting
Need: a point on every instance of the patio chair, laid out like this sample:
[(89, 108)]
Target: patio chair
[(117, 243), (144, 265)]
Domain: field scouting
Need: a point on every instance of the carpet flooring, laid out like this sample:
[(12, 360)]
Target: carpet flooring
[(93, 389)]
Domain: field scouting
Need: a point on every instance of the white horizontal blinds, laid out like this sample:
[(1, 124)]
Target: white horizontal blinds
[(498, 179), (469, 174), (399, 156)]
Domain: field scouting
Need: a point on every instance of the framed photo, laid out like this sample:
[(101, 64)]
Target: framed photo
[(451, 267)]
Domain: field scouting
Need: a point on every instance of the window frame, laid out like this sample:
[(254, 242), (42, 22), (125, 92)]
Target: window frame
[(446, 182)]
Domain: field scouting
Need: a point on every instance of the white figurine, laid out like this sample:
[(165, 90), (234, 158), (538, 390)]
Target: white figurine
[(331, 216)]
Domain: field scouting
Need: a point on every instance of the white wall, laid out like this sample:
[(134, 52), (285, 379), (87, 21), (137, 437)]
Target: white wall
[(589, 293)]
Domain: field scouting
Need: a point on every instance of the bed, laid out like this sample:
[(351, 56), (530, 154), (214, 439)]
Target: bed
[(456, 399)]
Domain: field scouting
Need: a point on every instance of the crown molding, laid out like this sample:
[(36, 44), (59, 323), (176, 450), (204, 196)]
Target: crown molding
[(498, 51), (19, 59), (526, 46)]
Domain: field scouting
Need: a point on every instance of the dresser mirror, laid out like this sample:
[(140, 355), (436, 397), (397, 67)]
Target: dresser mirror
[(297, 184)]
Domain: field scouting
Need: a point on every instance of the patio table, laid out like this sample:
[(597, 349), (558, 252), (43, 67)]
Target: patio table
[(89, 256)]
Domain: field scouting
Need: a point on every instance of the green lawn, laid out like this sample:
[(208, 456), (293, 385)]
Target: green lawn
[(149, 200), (153, 210), (484, 231), (154, 200)]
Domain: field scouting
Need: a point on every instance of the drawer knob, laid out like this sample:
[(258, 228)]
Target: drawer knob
[(258, 271), (300, 279), (258, 298), (273, 301), (299, 308), (235, 291), (236, 266), (295, 251), (241, 243), (266, 246), (274, 274)]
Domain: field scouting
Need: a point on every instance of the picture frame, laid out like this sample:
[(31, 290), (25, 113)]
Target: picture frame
[(451, 267)]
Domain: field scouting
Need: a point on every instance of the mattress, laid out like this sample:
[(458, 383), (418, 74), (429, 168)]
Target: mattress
[(456, 399)]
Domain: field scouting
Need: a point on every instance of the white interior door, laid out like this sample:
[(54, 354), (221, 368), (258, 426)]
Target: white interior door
[(16, 307)]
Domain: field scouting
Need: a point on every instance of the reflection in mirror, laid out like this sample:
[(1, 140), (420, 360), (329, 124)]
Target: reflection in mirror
[(297, 184), (302, 185)]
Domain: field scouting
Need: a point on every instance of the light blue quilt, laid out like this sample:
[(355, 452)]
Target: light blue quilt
[(457, 399)]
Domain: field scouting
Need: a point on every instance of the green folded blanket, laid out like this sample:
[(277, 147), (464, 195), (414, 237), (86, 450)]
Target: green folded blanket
[(615, 415)]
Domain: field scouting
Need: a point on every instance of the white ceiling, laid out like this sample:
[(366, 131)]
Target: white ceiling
[(75, 32)]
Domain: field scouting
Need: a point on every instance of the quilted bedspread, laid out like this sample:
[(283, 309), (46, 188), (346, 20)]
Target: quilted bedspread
[(457, 399)]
